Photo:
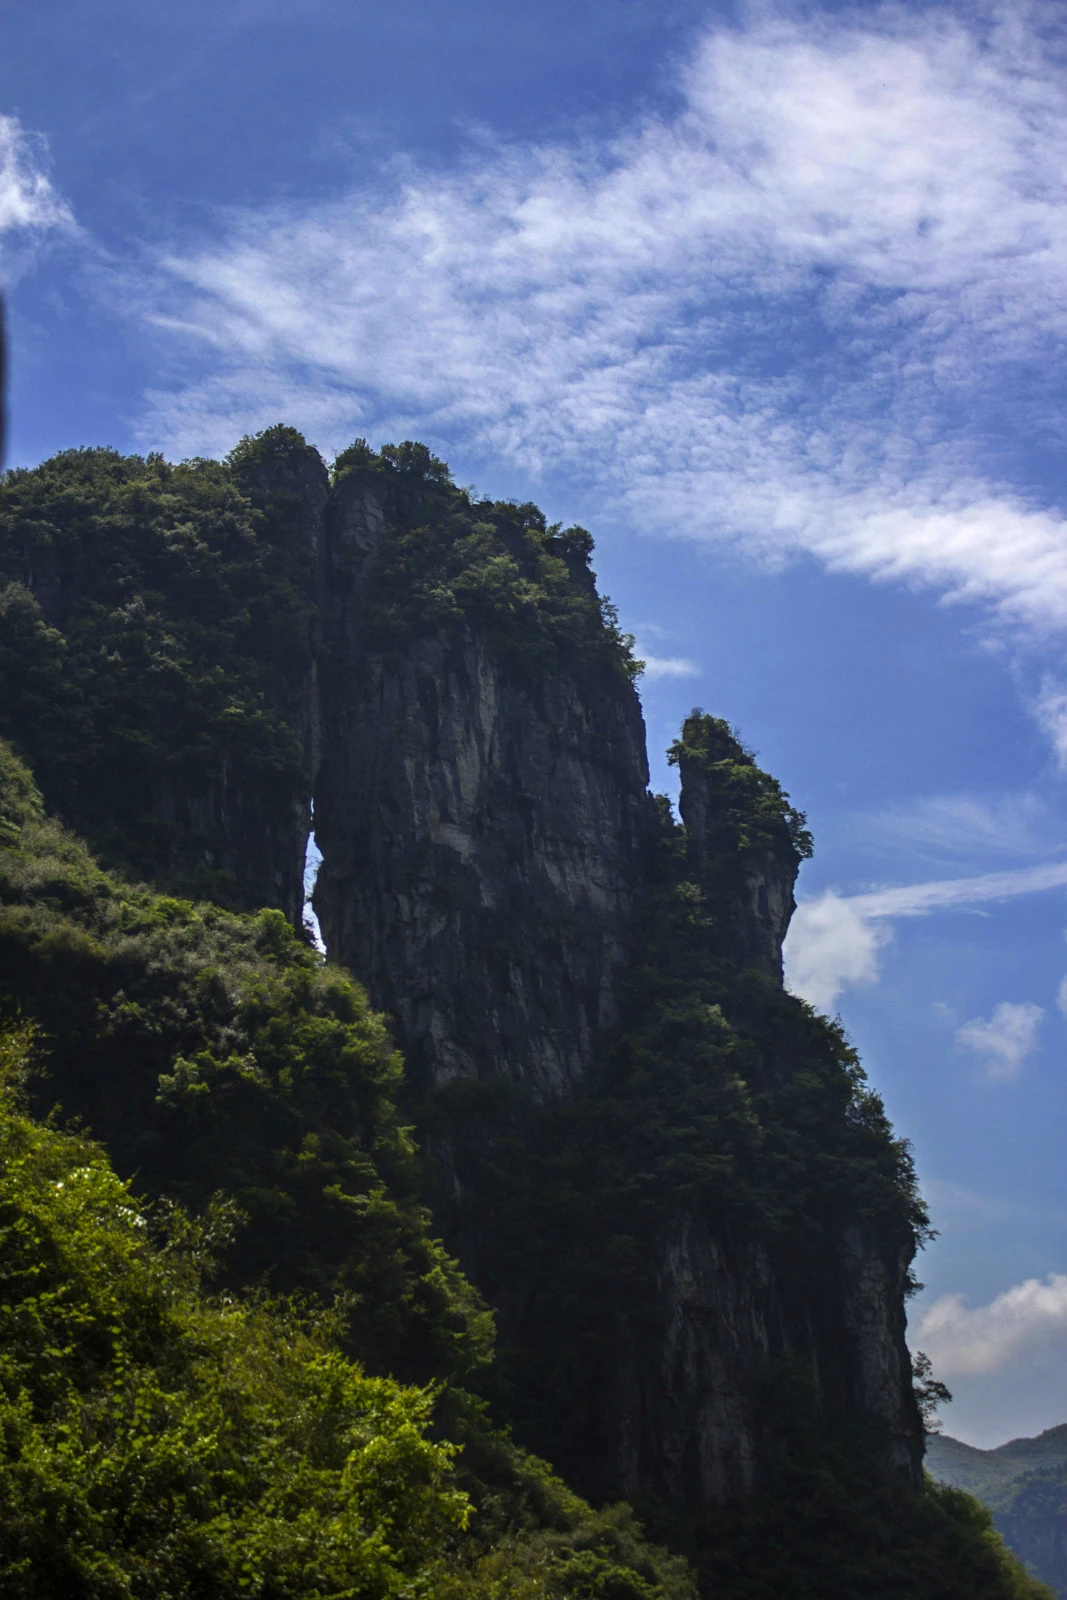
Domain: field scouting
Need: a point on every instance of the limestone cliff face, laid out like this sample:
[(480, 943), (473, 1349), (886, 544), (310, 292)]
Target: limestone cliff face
[(483, 822), (680, 1413), (681, 1410), (439, 673), (480, 832), (877, 1374)]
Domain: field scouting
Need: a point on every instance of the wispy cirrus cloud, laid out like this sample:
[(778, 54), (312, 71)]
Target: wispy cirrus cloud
[(916, 900), (1050, 708), (961, 827), (29, 204), (834, 939), (790, 316)]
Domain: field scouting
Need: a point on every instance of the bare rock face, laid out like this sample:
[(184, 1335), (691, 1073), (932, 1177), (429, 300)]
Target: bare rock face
[(768, 911), (484, 823), (873, 1285), (479, 832), (680, 1413)]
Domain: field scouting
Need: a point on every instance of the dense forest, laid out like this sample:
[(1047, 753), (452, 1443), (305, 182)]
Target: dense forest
[(283, 1317)]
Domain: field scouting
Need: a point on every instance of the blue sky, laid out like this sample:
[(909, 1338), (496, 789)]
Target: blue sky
[(769, 297)]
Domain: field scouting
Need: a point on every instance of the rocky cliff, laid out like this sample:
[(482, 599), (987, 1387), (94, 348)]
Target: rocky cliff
[(666, 1174), (738, 1225), (751, 859), (479, 822), (681, 1413), (496, 871)]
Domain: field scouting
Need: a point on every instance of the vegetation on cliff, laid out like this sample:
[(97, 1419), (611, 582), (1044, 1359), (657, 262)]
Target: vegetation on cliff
[(165, 1437), (721, 1101), (447, 563), (745, 811), (213, 1051), (156, 1442), (236, 1358), (154, 647)]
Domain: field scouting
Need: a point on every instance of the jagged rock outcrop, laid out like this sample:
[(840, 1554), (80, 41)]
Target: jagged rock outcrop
[(736, 1296), (484, 821), (478, 869), (757, 865)]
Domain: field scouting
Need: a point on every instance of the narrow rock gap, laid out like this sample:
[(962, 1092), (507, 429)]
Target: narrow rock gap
[(312, 863)]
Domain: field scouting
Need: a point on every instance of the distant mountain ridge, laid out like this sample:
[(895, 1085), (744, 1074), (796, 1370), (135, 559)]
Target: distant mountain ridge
[(1024, 1484)]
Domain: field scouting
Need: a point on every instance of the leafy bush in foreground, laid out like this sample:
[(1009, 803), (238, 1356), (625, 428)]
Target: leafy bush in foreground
[(155, 1442)]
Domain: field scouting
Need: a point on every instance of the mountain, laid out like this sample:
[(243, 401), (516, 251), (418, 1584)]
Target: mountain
[(1024, 1484), (606, 1122)]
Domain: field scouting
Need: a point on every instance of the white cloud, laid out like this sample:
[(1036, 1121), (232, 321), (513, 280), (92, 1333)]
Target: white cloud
[(1061, 996), (760, 320), (834, 940), (668, 666), (1026, 1321), (830, 944), (1004, 1040), (29, 205)]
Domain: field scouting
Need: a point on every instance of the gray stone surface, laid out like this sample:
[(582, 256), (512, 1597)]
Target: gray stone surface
[(480, 838), (481, 835)]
